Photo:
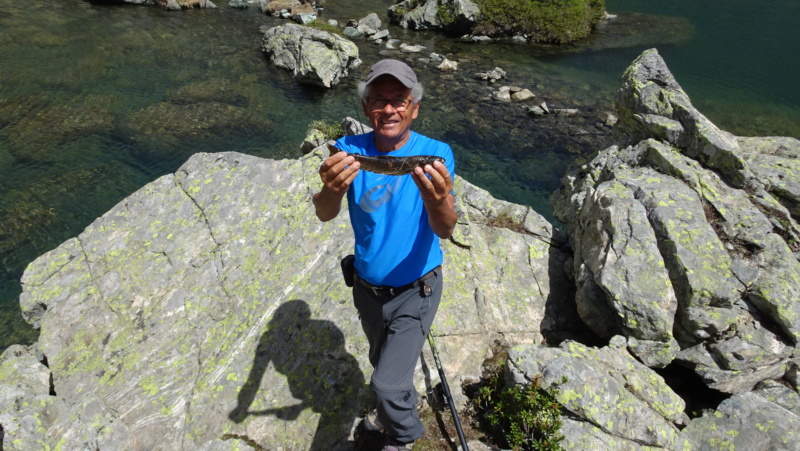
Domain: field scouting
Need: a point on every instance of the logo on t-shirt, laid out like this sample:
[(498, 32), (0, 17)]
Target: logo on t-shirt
[(377, 196)]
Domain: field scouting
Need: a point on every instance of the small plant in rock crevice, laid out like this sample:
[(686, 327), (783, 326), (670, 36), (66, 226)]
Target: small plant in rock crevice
[(523, 417), (329, 131), (324, 26)]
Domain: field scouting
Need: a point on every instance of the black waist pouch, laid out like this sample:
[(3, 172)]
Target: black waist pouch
[(349, 270)]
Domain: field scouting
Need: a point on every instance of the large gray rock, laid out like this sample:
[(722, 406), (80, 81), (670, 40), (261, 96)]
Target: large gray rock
[(25, 401), (206, 311), (652, 103), (617, 268), (457, 16), (684, 241), (209, 304), (371, 21), (314, 56), (613, 401), (746, 421)]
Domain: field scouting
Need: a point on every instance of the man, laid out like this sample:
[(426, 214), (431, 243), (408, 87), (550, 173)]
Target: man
[(397, 222)]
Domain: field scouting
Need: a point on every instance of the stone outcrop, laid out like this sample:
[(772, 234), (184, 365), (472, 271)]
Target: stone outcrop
[(209, 305), (615, 402), (455, 16), (534, 22), (685, 250), (314, 56), (207, 311)]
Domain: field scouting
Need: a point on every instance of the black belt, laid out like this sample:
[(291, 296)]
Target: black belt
[(383, 290)]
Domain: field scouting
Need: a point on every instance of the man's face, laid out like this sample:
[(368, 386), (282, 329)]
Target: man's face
[(392, 127)]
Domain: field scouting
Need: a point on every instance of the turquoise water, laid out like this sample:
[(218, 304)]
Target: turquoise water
[(740, 65), (76, 77)]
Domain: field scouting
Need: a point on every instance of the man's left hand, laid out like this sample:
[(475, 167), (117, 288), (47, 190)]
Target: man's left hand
[(435, 186)]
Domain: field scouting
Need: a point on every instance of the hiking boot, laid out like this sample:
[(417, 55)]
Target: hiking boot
[(371, 421)]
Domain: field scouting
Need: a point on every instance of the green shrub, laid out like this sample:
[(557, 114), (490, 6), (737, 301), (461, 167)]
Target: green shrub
[(548, 21), (329, 131), (445, 15), (324, 26), (527, 417)]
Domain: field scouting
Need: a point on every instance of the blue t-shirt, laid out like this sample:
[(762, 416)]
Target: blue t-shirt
[(395, 245)]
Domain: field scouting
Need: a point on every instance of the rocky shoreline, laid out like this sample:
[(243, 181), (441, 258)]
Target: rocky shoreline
[(471, 102), (206, 310)]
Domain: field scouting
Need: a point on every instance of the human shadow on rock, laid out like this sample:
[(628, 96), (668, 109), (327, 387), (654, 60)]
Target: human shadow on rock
[(318, 370)]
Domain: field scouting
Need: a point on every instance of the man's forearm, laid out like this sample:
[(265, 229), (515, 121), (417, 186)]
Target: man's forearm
[(442, 217), (327, 204)]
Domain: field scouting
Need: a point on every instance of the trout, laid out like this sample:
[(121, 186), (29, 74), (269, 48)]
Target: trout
[(387, 165)]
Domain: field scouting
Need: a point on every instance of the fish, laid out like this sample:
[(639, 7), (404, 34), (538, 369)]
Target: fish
[(387, 165)]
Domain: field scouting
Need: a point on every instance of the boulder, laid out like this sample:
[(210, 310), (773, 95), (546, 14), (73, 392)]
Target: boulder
[(416, 15), (371, 21), (354, 127), (305, 18), (292, 7), (521, 94), (684, 240), (650, 102), (454, 16), (209, 304), (610, 398), (314, 56), (746, 421), (448, 66)]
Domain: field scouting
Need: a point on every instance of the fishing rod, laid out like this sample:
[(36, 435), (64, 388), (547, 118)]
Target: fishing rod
[(446, 390)]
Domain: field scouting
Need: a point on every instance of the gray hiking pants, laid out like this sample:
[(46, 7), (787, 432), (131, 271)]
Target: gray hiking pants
[(396, 327)]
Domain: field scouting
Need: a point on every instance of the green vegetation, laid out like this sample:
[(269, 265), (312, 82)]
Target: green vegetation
[(329, 131), (506, 221), (547, 21), (324, 26), (524, 417), (445, 15)]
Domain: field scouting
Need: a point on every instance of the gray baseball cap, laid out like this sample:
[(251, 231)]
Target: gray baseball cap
[(396, 69)]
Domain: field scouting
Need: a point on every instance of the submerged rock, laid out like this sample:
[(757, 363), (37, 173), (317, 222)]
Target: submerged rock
[(168, 130), (40, 136), (215, 90)]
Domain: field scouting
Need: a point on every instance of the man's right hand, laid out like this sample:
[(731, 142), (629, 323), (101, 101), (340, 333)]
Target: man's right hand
[(336, 173)]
